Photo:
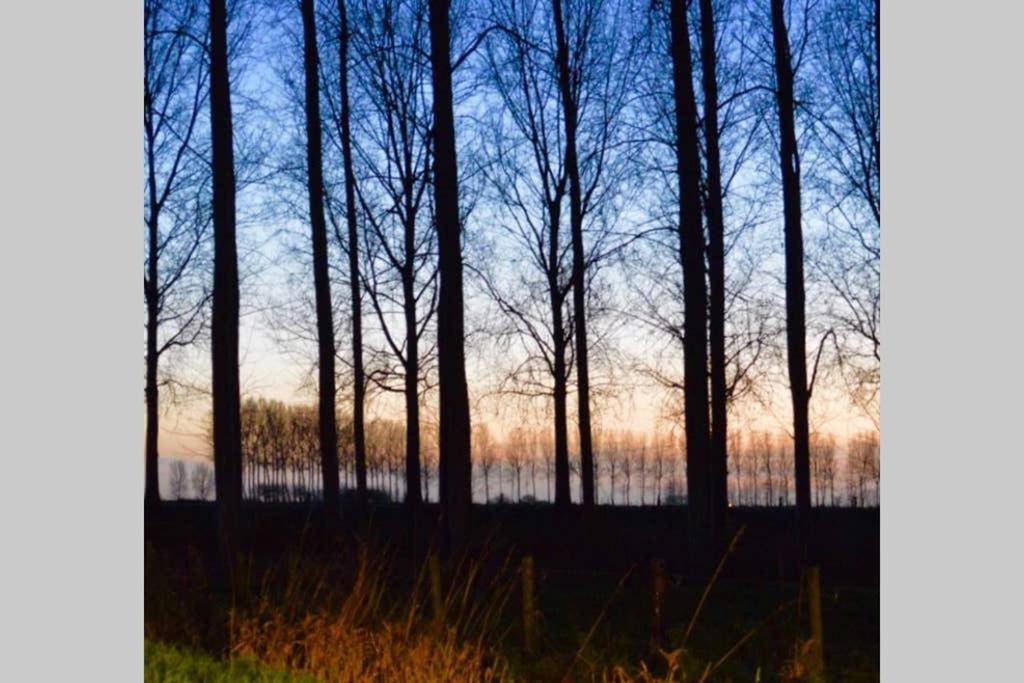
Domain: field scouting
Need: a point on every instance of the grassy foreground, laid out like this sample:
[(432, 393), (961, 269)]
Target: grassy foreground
[(168, 664), (590, 628), (368, 606)]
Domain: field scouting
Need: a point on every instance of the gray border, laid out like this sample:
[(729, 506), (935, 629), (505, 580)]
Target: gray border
[(70, 281), (951, 370)]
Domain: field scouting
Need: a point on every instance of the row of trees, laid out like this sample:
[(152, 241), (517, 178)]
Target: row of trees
[(620, 166), (196, 484), (282, 464)]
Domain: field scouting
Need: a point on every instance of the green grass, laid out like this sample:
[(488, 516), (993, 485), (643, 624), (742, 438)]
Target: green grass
[(167, 664)]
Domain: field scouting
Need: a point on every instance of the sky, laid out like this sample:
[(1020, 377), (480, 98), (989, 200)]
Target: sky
[(275, 367)]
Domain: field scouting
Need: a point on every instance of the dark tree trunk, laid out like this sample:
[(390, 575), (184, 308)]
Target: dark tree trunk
[(321, 277), (796, 326), (455, 462), (562, 494), (691, 248), (718, 460), (227, 432), (152, 361), (358, 374), (412, 365), (579, 279)]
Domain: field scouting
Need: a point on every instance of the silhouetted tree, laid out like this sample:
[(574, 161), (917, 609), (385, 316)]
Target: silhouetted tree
[(719, 435), (845, 77), (662, 463), (568, 90), (179, 480), (352, 248), (691, 254), (484, 455), (796, 326), (738, 467), (823, 468), (455, 467), (763, 447), (782, 467), (202, 481), (402, 270), (227, 438), (321, 276), (528, 178), (862, 468), (177, 220)]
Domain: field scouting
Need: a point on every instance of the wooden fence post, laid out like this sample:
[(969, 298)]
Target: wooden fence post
[(529, 608), (659, 585), (817, 661)]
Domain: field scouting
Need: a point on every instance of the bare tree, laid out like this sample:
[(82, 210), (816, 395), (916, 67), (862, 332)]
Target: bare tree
[(484, 455), (640, 455), (352, 244), (570, 117), (177, 220), (455, 480), (862, 468), (740, 308), (621, 446), (847, 120), (179, 480), (764, 448), (718, 454), (529, 182), (321, 277), (781, 456), (704, 520), (202, 481), (394, 150), (558, 135), (823, 468), (738, 466), (227, 439), (517, 454), (796, 325), (662, 449)]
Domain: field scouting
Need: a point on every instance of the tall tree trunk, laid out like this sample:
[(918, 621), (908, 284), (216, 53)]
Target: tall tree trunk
[(152, 359), (455, 461), (358, 374), (718, 460), (796, 327), (691, 251), (321, 276), (579, 279), (562, 494), (563, 497), (412, 365), (227, 431)]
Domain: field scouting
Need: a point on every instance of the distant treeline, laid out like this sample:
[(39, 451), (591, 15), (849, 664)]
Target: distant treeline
[(282, 464)]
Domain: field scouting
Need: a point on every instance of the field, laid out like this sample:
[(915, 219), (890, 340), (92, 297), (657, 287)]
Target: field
[(594, 605)]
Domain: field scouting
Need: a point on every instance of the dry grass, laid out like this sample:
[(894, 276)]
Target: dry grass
[(353, 635), (304, 618)]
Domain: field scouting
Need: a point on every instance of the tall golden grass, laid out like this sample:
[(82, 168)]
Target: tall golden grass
[(354, 634), (303, 618)]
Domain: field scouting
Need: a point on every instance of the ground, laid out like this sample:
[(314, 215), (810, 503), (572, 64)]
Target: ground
[(593, 585)]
